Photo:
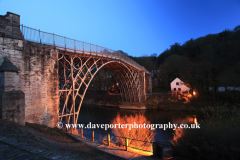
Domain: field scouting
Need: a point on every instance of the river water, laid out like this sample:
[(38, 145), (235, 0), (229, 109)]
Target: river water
[(104, 115)]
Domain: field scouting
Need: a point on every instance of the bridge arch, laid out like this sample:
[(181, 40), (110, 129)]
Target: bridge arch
[(76, 71)]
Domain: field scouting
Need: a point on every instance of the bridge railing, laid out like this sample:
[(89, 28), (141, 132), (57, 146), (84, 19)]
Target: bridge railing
[(34, 35)]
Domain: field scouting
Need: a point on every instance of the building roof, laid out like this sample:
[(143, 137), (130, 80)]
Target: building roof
[(177, 79)]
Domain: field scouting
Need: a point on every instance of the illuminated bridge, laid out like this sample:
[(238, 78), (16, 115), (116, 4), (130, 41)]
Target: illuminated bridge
[(57, 71)]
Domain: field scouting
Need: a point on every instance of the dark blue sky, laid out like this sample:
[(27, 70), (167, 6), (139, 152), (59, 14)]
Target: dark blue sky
[(138, 27)]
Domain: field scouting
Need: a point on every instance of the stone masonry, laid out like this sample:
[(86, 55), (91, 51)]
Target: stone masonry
[(38, 71), (9, 26), (12, 99), (39, 83)]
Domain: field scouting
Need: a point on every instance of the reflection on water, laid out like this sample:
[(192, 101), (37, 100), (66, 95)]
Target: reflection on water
[(189, 119), (104, 115), (177, 134)]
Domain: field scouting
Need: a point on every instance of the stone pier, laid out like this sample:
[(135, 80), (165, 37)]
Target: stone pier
[(38, 72)]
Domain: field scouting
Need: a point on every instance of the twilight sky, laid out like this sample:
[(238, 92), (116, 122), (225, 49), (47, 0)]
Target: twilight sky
[(137, 27)]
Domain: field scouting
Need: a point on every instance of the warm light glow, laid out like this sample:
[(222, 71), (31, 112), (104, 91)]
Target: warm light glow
[(194, 93), (117, 84), (195, 120), (135, 133), (177, 134), (187, 119), (145, 153)]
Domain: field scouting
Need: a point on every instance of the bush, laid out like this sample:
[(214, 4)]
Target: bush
[(145, 135), (219, 132)]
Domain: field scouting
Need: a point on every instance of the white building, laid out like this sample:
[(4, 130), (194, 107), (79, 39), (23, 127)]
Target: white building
[(178, 85)]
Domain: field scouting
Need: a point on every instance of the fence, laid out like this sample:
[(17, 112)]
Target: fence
[(34, 35), (165, 150), (127, 145)]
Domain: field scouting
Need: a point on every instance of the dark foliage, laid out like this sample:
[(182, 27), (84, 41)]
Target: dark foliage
[(210, 61)]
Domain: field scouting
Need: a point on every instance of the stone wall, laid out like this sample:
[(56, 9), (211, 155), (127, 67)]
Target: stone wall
[(40, 83), (13, 106), (38, 74), (10, 26), (38, 65), (12, 99)]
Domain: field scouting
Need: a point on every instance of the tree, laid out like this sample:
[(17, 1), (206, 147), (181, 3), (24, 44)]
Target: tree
[(144, 135), (237, 28)]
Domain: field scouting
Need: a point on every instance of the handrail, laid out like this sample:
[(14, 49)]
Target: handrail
[(34, 35), (126, 139)]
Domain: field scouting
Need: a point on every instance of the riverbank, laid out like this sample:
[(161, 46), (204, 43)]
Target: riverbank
[(49, 140), (218, 137), (158, 101), (174, 105)]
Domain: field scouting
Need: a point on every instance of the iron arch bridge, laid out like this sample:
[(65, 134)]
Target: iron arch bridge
[(78, 63)]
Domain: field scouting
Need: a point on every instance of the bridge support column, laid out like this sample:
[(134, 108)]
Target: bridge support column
[(38, 72), (12, 99), (148, 83), (143, 84)]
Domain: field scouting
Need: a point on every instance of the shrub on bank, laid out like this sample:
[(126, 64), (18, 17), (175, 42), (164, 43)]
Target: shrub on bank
[(218, 132), (138, 137)]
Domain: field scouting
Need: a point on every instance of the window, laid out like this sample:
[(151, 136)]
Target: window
[(179, 89), (174, 89), (177, 83)]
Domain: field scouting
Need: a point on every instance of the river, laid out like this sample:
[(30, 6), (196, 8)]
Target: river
[(104, 115)]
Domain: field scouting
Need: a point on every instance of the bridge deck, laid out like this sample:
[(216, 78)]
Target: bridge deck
[(97, 55), (72, 45)]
